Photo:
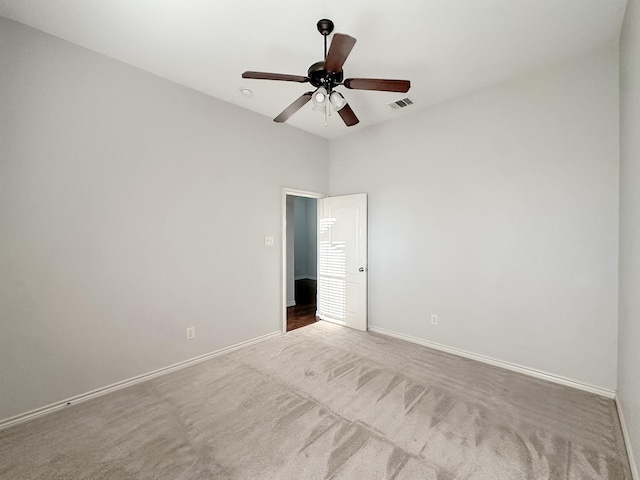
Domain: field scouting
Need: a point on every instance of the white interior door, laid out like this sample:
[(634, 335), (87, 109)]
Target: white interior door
[(342, 260)]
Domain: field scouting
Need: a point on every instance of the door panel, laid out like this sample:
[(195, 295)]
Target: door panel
[(342, 260)]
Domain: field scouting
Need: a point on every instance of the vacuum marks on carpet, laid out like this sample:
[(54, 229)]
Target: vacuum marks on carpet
[(325, 402)]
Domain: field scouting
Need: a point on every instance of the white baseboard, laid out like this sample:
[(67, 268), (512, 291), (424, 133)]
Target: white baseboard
[(627, 441), (502, 364), (23, 417), (291, 303)]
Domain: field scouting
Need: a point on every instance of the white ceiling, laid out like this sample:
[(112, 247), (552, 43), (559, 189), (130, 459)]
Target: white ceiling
[(445, 47)]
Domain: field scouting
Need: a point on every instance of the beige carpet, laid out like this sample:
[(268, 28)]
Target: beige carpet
[(326, 402)]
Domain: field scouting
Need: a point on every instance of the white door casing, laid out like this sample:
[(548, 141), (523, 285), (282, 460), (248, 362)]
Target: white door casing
[(342, 260)]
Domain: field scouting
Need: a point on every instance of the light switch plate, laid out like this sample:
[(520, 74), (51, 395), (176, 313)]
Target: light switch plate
[(268, 240)]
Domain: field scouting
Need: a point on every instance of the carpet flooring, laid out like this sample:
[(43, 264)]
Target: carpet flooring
[(326, 402)]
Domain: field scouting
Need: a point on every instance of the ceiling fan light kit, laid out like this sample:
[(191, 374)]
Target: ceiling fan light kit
[(320, 96), (328, 75), (337, 100)]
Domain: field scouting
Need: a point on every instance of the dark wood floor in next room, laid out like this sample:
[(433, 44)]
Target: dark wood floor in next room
[(300, 316), (304, 312)]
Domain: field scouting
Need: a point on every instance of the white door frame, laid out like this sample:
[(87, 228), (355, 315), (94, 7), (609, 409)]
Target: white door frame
[(297, 193)]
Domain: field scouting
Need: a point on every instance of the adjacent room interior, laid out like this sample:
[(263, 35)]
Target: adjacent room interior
[(301, 261), (139, 186)]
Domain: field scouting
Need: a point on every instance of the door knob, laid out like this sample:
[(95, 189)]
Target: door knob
[(361, 269)]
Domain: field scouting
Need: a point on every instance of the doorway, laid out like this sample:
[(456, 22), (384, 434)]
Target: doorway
[(332, 285), (300, 253)]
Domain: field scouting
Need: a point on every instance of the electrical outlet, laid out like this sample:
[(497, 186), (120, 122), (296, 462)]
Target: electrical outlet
[(191, 333), (434, 319)]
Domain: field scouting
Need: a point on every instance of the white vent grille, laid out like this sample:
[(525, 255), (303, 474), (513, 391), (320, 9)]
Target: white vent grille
[(405, 102)]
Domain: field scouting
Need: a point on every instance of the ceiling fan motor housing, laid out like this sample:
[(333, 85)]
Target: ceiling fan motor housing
[(319, 77)]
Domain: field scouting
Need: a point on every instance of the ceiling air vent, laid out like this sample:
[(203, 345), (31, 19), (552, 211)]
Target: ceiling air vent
[(405, 102)]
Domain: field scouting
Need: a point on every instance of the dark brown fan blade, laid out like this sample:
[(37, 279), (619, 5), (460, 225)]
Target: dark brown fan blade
[(378, 84), (348, 116), (275, 76), (293, 108), (339, 50)]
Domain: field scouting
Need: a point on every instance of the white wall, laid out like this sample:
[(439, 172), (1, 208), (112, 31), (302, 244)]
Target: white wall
[(305, 219), (130, 209), (312, 236), (498, 212), (629, 345), (300, 233)]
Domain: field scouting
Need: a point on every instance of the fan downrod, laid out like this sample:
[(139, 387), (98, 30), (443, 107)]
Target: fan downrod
[(318, 75), (325, 27)]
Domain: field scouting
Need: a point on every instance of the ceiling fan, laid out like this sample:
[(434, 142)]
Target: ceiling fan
[(326, 76)]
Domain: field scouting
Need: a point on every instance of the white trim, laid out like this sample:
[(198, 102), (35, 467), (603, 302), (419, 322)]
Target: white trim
[(296, 193), (23, 417), (302, 193), (502, 364), (627, 441), (291, 303)]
